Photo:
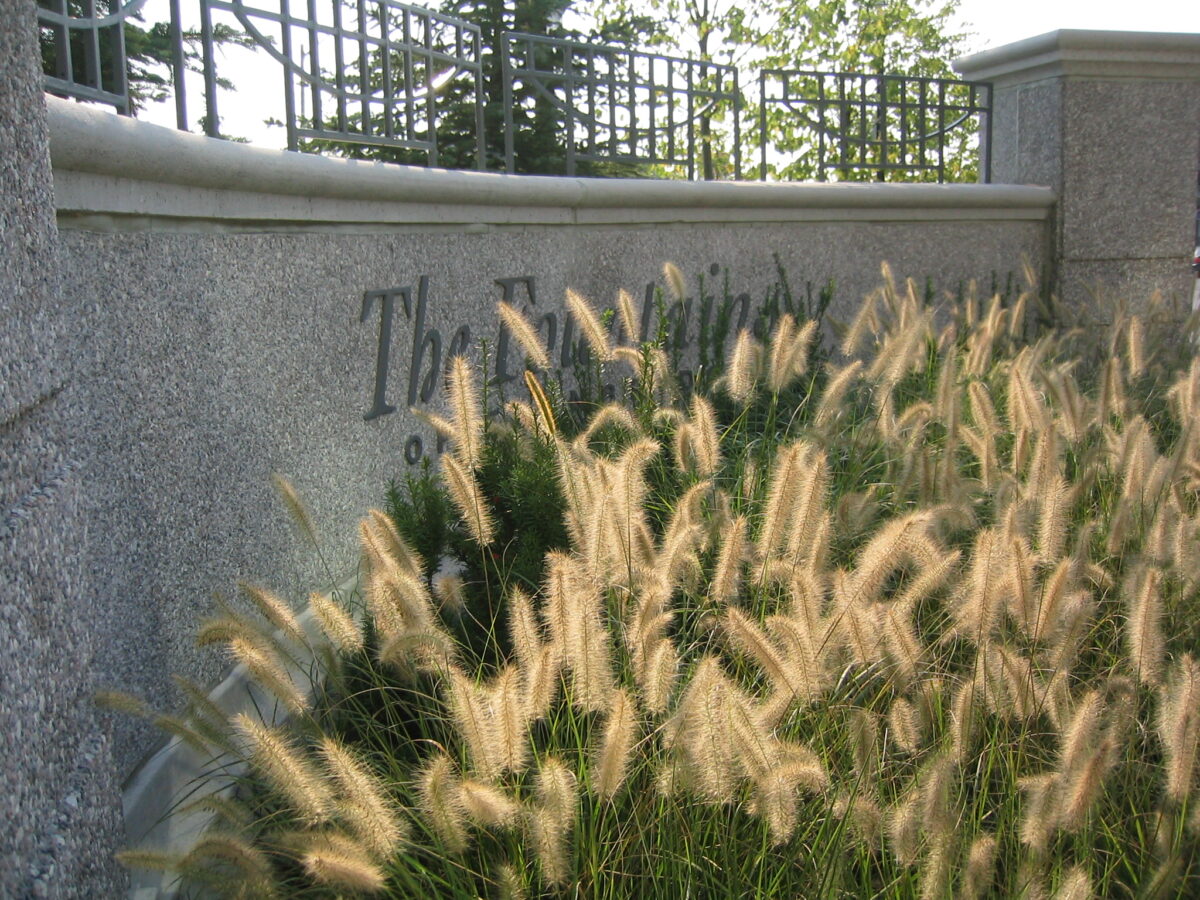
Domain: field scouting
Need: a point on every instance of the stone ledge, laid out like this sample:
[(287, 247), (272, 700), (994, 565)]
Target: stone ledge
[(1069, 53), (106, 165)]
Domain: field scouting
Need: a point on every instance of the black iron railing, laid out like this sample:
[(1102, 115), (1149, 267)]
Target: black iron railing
[(83, 49), (371, 70), (401, 82), (877, 127), (624, 106)]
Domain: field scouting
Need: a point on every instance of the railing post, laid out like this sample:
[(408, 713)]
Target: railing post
[(480, 100), (178, 67), (510, 162), (211, 119)]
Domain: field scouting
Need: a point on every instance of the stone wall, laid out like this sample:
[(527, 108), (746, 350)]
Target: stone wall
[(59, 821), (1110, 121)]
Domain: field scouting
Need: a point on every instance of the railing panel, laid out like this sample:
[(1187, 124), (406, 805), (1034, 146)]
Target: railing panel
[(622, 106), (873, 127), (83, 49), (370, 73)]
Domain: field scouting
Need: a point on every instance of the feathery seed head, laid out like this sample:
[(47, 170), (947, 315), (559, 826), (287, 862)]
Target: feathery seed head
[(553, 819), (469, 500), (1179, 726), (620, 734), (448, 590), (363, 802), (706, 441), (839, 384), (486, 805), (1038, 818), (295, 507), (742, 367), (267, 670), (464, 413), (1143, 634), (286, 769), (523, 629), (904, 725), (521, 329), (629, 319), (980, 870), (589, 325), (275, 610), (440, 802), (476, 724), (674, 279), (903, 828), (727, 575), (662, 668), (1075, 885), (541, 403), (255, 876), (341, 862), (337, 624)]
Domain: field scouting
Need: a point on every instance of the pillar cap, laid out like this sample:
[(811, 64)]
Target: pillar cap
[(1070, 53)]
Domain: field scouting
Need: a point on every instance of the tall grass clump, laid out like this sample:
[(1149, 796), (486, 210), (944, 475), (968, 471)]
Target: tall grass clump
[(918, 619)]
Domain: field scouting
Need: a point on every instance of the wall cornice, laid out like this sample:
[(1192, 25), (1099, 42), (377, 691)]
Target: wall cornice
[(114, 173), (1087, 54)]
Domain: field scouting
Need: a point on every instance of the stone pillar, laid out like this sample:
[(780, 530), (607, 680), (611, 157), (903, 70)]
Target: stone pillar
[(1111, 122), (59, 801)]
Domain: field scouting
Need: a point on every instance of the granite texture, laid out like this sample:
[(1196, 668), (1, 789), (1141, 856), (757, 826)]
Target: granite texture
[(223, 358), (1038, 131), (1093, 287), (1130, 153), (59, 812), (1112, 124)]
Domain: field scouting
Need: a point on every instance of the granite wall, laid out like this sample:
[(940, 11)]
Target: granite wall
[(1111, 122), (224, 358), (59, 797)]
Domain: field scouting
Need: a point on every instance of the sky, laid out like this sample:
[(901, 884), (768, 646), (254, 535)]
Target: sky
[(997, 22)]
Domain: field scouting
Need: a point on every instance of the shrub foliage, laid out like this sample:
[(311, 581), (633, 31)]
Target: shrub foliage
[(919, 621)]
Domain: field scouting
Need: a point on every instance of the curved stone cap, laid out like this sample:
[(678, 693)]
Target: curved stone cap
[(1087, 54), (113, 166)]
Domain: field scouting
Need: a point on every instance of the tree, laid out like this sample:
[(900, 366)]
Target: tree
[(908, 37), (538, 139), (720, 31), (537, 125), (148, 55), (870, 37)]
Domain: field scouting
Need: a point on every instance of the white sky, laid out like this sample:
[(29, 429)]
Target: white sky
[(997, 22)]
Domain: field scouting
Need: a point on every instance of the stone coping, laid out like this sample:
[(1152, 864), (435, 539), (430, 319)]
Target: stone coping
[(119, 174), (1071, 53), (177, 774)]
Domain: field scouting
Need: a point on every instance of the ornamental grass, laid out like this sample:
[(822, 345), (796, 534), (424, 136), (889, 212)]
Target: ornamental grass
[(915, 616)]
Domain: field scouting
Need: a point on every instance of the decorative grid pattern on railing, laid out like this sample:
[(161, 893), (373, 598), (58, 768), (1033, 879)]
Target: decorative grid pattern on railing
[(384, 74), (620, 105), (86, 49), (372, 70), (878, 124)]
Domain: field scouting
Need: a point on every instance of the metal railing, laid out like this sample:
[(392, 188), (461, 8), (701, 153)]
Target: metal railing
[(83, 45), (394, 81), (619, 105), (874, 125), (372, 70)]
